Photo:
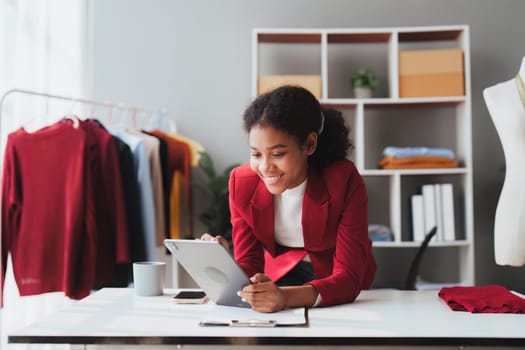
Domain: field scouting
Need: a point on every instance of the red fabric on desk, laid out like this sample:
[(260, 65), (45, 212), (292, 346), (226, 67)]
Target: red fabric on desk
[(483, 299)]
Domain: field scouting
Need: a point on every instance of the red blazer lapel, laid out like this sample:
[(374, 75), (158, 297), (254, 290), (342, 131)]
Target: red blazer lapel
[(315, 210), (262, 212)]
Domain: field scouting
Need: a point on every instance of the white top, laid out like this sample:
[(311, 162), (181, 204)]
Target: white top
[(288, 224), (377, 317), (288, 208), (508, 114)]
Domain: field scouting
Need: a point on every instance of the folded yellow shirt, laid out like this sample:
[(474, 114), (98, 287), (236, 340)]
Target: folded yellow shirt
[(420, 162)]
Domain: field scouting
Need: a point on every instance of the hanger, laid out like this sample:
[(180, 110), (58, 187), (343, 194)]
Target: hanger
[(134, 116), (71, 115), (109, 115), (92, 110), (118, 117), (146, 121), (37, 122), (162, 118)]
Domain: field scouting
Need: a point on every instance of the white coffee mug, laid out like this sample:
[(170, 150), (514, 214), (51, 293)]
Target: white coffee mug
[(148, 277)]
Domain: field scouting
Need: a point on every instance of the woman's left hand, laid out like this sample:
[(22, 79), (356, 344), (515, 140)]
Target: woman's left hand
[(263, 295), (218, 238)]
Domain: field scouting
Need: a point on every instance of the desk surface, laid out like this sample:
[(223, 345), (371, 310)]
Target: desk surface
[(377, 317)]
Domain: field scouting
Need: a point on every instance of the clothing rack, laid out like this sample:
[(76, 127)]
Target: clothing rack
[(161, 113)]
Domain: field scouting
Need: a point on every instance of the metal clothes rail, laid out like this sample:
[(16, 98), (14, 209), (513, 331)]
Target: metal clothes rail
[(161, 113)]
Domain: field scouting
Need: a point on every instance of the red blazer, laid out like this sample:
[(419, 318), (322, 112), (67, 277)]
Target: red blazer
[(335, 230)]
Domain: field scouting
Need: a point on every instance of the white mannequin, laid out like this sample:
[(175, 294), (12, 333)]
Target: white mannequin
[(508, 114)]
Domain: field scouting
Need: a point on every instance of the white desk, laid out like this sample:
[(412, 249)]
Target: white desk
[(381, 317)]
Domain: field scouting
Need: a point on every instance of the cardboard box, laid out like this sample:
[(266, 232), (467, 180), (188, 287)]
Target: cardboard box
[(430, 73), (310, 82)]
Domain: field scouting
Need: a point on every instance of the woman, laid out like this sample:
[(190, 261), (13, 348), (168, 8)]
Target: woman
[(299, 208)]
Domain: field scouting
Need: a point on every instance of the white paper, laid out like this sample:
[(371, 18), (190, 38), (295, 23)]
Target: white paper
[(221, 315)]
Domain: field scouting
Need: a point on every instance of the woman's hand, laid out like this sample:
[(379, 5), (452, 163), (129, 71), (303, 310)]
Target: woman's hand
[(220, 239), (263, 295)]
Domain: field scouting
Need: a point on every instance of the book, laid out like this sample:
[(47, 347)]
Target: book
[(429, 210), (418, 229), (438, 205), (449, 224)]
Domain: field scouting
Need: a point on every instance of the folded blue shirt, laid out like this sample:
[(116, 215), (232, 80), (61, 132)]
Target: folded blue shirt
[(379, 233), (406, 152)]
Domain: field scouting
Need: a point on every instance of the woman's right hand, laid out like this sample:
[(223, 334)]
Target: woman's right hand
[(220, 239)]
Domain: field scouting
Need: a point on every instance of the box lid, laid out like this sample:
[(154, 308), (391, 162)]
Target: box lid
[(430, 61)]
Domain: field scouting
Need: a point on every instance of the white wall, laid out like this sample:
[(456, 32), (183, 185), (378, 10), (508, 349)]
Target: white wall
[(193, 57)]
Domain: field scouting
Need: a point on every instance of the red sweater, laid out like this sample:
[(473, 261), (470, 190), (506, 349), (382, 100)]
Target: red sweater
[(44, 221), (335, 230), (63, 214)]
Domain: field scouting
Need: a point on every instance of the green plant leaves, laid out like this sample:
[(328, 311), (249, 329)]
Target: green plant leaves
[(364, 77), (216, 216)]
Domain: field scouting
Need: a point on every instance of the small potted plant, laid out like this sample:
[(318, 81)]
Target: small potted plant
[(364, 81)]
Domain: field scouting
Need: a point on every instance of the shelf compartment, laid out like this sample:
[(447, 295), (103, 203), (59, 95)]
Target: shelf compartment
[(346, 55), (424, 127), (278, 59), (411, 184)]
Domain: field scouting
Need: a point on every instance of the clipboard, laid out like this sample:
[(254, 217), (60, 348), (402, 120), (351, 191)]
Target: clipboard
[(228, 316)]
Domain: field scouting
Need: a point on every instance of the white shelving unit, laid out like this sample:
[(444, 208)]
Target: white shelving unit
[(386, 118)]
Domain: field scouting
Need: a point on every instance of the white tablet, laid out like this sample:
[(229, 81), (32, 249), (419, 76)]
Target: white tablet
[(212, 268)]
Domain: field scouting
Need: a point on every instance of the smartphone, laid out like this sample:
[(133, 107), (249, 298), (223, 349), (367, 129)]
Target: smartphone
[(190, 297)]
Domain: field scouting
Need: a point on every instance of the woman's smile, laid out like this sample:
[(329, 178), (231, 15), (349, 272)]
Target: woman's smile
[(277, 158), (271, 180)]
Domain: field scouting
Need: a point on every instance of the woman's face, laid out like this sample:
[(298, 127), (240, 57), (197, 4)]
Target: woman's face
[(278, 159)]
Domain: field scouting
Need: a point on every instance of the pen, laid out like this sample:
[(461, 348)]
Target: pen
[(237, 323), (253, 323)]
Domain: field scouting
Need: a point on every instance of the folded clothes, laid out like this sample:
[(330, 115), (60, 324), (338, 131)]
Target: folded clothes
[(380, 233), (483, 299), (404, 152), (389, 162)]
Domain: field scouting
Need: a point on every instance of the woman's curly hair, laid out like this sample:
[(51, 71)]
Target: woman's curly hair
[(297, 112)]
